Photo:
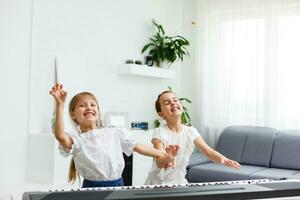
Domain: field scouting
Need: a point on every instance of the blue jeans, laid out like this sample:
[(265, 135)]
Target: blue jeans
[(87, 183)]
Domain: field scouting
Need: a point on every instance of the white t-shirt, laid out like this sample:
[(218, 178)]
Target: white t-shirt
[(98, 153), (185, 140)]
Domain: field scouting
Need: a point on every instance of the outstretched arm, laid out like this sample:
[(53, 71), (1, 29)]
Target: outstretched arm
[(171, 150), (60, 96), (155, 153), (214, 155)]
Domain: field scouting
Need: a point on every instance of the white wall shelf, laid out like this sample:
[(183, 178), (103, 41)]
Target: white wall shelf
[(144, 70)]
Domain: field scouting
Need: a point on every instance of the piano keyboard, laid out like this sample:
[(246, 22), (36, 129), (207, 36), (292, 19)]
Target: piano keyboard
[(245, 189)]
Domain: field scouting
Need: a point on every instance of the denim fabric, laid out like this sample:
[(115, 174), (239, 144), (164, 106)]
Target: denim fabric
[(87, 183)]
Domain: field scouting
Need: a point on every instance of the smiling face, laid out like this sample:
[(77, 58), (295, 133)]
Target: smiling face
[(84, 111), (170, 106)]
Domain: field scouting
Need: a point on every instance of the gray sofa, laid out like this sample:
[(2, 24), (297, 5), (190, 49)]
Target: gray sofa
[(264, 153)]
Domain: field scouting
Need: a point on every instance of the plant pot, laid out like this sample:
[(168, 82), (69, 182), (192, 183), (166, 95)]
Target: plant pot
[(164, 65)]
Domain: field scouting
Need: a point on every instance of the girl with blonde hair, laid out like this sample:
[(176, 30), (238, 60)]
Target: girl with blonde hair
[(96, 150)]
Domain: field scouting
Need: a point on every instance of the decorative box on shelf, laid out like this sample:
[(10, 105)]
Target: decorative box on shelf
[(145, 70)]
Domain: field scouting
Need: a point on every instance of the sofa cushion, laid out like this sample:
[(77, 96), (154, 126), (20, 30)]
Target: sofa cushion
[(274, 173), (286, 150), (258, 146), (197, 158), (252, 145), (294, 176), (215, 172), (231, 142)]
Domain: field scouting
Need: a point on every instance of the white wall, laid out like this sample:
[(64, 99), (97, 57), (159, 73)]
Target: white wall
[(188, 68), (89, 38), (14, 84)]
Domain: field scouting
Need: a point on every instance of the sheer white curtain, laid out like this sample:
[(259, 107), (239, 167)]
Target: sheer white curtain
[(249, 61)]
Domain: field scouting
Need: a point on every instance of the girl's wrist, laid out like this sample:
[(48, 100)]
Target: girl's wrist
[(169, 157), (60, 104), (223, 161), (159, 154)]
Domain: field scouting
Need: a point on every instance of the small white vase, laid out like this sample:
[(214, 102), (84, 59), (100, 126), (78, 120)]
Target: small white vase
[(165, 65)]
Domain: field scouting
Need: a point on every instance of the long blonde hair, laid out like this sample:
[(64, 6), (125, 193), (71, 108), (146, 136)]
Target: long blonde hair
[(72, 169)]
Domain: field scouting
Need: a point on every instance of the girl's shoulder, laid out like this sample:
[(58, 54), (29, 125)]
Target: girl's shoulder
[(160, 131), (191, 131), (117, 131), (190, 128), (90, 133), (99, 132)]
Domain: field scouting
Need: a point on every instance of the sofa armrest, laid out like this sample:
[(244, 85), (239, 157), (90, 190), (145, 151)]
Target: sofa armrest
[(197, 158)]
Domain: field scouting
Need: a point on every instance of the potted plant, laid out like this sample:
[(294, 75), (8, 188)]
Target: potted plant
[(185, 117), (163, 48)]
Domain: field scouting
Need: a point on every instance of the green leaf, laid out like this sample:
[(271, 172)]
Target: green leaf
[(166, 48), (156, 123), (185, 99), (146, 47)]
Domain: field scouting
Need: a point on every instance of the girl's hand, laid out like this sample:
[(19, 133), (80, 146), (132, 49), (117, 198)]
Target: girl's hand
[(171, 164), (58, 93), (231, 163), (172, 149)]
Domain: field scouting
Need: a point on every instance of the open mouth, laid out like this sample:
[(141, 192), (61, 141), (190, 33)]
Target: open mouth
[(174, 109), (89, 114)]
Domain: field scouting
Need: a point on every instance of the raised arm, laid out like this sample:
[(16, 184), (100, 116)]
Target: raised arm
[(60, 96), (214, 155)]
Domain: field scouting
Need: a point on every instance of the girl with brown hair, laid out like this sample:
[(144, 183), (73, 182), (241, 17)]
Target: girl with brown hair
[(170, 109)]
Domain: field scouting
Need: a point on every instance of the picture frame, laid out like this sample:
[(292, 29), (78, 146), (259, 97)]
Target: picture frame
[(116, 119)]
